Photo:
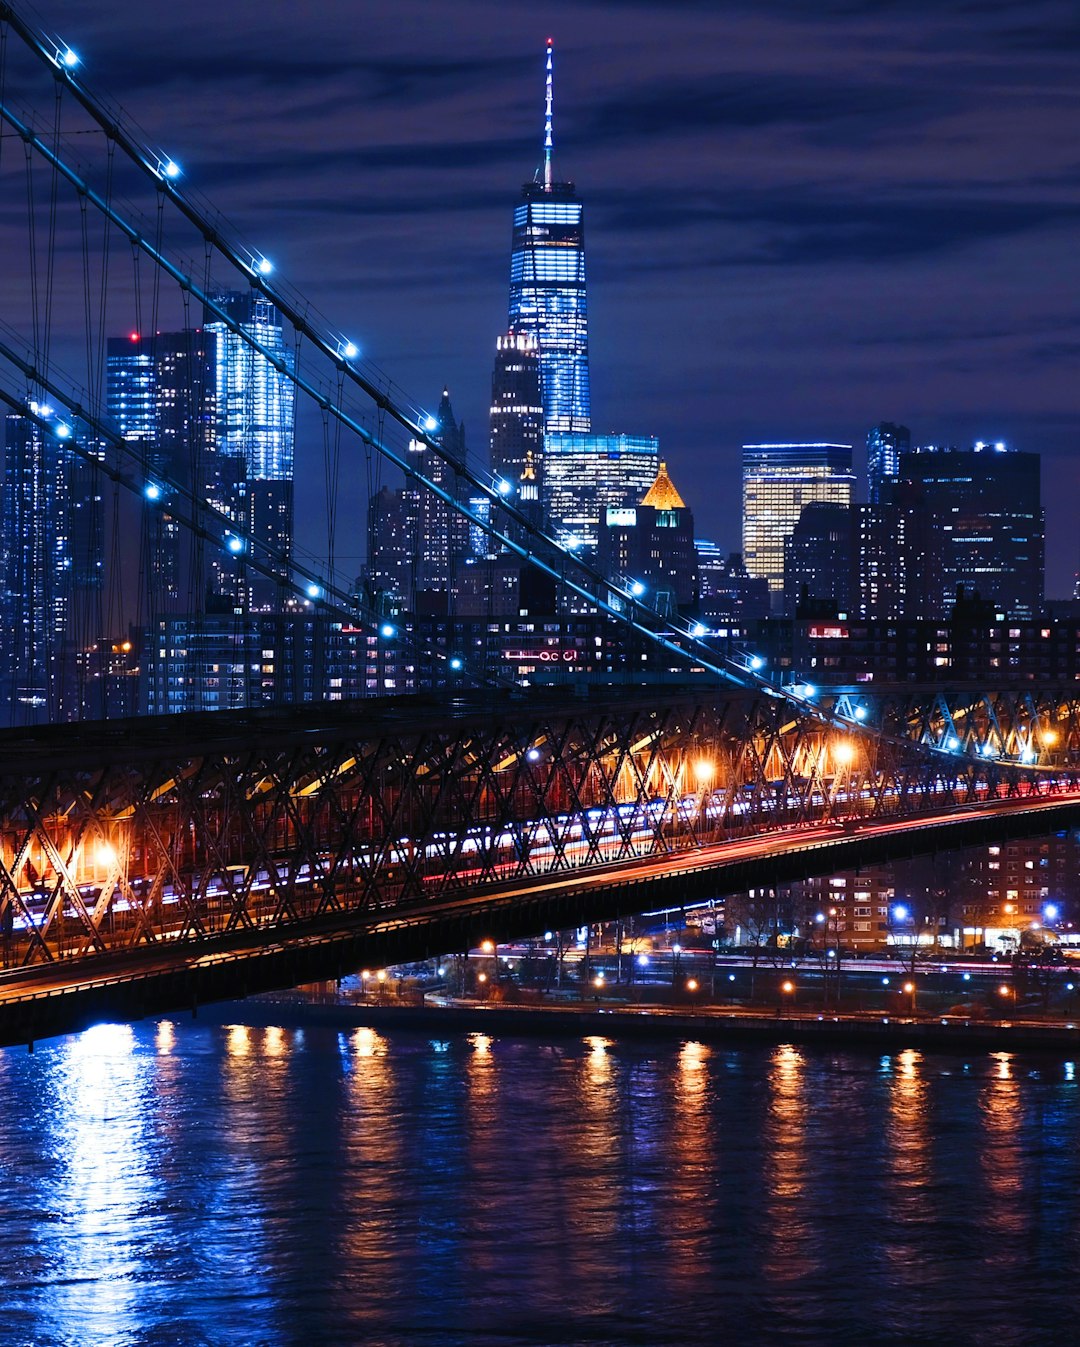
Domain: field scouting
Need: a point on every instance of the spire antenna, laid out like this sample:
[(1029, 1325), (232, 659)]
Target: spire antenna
[(547, 120)]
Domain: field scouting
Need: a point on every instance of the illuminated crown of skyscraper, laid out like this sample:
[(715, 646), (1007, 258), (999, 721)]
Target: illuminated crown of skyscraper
[(547, 285), (662, 495)]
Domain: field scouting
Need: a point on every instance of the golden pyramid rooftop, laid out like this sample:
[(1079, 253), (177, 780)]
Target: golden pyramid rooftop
[(662, 494)]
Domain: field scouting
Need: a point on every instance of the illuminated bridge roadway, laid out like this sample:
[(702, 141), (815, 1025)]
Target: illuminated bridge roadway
[(148, 865)]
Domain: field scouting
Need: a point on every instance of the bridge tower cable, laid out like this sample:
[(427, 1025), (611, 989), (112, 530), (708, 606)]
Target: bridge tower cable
[(677, 638)]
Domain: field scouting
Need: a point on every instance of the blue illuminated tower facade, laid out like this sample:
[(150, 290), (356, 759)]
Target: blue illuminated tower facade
[(547, 287)]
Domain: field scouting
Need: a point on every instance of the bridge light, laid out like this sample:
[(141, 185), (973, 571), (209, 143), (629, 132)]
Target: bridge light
[(637, 589), (756, 663), (350, 350), (1049, 738), (503, 487), (457, 664), (152, 491), (234, 544), (431, 423), (62, 431), (171, 168), (808, 690), (704, 771), (844, 754), (314, 591), (860, 713), (69, 58), (698, 630), (988, 751), (1028, 755), (264, 266), (533, 755), (105, 853), (952, 743), (387, 631)]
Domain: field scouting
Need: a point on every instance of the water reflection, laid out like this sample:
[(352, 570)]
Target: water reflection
[(790, 1246), (1001, 1161), (191, 1184), (103, 1186), (694, 1160)]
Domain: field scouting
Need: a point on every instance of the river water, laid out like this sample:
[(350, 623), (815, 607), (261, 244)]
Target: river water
[(189, 1183)]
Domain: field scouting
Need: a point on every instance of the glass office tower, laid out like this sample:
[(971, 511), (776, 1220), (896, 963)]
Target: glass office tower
[(778, 481), (547, 288)]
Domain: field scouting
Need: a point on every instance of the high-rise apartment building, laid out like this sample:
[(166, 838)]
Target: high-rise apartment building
[(547, 287), (884, 445), (779, 480)]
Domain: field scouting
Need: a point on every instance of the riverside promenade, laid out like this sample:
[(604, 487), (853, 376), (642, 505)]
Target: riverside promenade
[(713, 1024)]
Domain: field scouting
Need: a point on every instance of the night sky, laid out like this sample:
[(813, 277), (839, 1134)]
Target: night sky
[(800, 218)]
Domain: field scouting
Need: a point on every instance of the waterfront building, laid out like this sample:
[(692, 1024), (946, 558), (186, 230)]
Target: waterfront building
[(547, 286), (778, 481)]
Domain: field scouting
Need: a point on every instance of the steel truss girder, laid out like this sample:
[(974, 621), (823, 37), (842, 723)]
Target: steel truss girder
[(367, 816)]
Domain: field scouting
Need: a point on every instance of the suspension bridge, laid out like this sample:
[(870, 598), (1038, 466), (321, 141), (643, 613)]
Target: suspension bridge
[(148, 863)]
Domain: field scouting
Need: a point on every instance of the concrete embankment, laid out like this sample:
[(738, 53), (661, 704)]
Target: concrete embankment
[(878, 1032)]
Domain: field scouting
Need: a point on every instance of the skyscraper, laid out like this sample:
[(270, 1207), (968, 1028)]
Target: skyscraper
[(547, 286), (52, 552), (517, 412), (438, 536), (585, 475), (984, 525), (652, 543), (256, 423), (161, 396), (884, 445), (778, 481)]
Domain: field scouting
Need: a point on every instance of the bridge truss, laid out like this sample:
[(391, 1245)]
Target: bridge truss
[(172, 832)]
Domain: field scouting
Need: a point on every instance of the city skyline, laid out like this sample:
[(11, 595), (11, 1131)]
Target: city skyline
[(780, 246)]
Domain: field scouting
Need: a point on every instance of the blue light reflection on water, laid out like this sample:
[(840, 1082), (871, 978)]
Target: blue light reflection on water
[(199, 1184)]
